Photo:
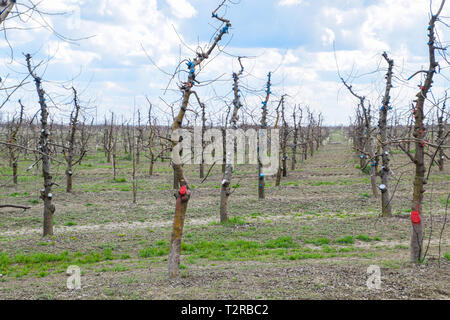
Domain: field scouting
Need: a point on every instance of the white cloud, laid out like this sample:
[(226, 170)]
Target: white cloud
[(63, 53), (120, 70), (328, 37), (286, 3), (182, 8)]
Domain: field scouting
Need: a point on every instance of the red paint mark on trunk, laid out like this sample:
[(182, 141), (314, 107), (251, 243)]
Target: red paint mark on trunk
[(415, 217)]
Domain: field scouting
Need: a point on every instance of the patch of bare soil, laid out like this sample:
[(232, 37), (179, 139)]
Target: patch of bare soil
[(325, 206)]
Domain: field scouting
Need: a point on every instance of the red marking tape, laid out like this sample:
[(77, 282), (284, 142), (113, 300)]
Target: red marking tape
[(183, 190), (415, 217)]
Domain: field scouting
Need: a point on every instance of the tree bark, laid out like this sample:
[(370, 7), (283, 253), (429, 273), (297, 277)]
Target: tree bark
[(382, 125), (183, 198), (46, 194), (226, 182), (263, 126), (419, 134)]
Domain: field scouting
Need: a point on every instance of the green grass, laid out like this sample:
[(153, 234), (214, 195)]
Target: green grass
[(445, 201), (42, 264), (256, 214), (153, 252), (318, 241), (346, 240), (281, 248), (447, 255), (366, 169), (290, 183), (366, 238), (281, 242), (235, 220), (364, 195), (18, 194), (392, 264), (115, 268), (322, 183)]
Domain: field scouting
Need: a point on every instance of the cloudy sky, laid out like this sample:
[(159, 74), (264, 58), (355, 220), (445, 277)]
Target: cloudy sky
[(292, 38)]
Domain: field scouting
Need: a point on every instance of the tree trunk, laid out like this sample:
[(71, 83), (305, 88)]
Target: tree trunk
[(69, 178), (46, 193), (382, 125), (261, 182), (183, 194), (294, 149), (419, 134), (152, 161), (14, 166)]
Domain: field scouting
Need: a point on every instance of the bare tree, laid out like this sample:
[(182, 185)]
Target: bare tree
[(14, 128), (297, 127), (134, 153), (263, 126), (281, 157), (44, 148), (139, 137), (183, 194), (151, 136), (108, 133), (382, 126), (202, 141), (419, 135), (368, 149), (226, 182), (440, 139), (71, 139)]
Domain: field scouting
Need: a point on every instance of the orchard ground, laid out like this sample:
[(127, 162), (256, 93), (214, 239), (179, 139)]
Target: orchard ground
[(311, 238)]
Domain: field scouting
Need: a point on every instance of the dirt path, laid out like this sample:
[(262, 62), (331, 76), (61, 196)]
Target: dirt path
[(114, 226)]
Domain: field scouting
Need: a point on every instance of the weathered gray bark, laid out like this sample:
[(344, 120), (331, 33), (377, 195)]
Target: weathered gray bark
[(226, 182), (419, 135), (150, 139), (69, 154), (283, 142), (46, 193), (13, 157), (294, 146), (263, 126), (6, 7), (440, 134), (134, 151), (202, 158), (183, 194), (382, 126)]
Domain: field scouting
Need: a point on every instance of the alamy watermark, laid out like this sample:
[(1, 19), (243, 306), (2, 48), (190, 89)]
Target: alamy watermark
[(374, 279), (242, 147), (74, 280)]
